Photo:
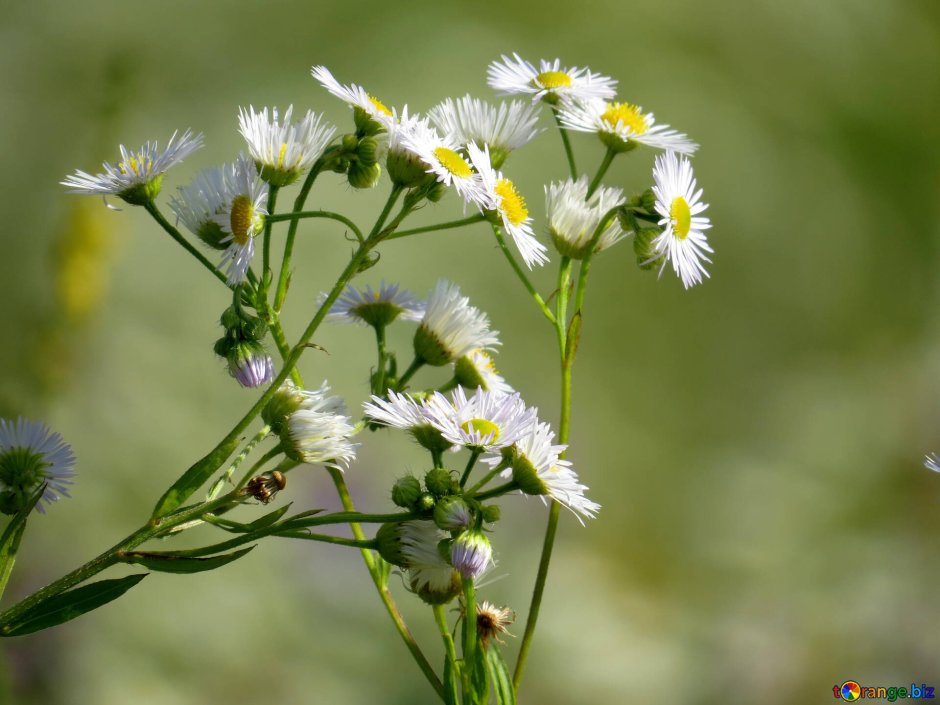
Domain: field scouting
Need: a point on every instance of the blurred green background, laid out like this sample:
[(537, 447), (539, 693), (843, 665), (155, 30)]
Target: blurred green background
[(768, 530)]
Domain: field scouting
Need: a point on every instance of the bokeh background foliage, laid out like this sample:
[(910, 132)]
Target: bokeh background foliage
[(767, 529)]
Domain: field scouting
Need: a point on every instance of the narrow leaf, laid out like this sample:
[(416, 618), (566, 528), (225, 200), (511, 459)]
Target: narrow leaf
[(68, 605), (194, 478), (180, 564), (450, 683), (499, 674), (573, 338), (10, 541)]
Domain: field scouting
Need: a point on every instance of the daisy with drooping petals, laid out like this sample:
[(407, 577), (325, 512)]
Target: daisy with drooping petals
[(375, 308), (550, 82), (355, 96), (138, 176), (242, 217), (433, 579), (283, 150), (477, 369), (31, 456), (451, 327), (573, 217), (509, 206), (538, 470), (485, 421), (683, 240), (319, 432), (504, 128), (621, 126), (442, 159), (198, 203)]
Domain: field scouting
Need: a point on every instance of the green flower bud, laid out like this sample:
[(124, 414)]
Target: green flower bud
[(362, 176), (436, 192), (368, 151), (430, 438), (405, 169), (426, 502), (285, 402), (388, 544), (648, 200), (452, 514), (349, 143), (429, 348), (646, 254), (406, 492), (365, 125), (471, 553), (438, 482), (491, 513)]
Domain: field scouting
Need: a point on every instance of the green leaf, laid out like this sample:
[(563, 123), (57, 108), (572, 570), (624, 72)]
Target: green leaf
[(194, 478), (479, 682), (265, 521), (499, 674), (573, 338), (68, 605), (10, 541), (450, 683), (182, 564)]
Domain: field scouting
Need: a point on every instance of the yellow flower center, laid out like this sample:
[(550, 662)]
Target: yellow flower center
[(510, 202), (135, 166), (240, 219), (453, 162), (380, 106), (483, 427), (681, 217), (630, 115), (553, 79), (281, 154)]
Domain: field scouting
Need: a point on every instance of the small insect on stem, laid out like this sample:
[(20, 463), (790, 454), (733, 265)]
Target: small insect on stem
[(264, 487)]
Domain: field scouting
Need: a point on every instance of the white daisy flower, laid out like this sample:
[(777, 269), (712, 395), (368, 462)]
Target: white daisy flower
[(404, 412), (509, 206), (355, 96), (290, 398), (320, 432), (932, 462), (573, 217), (430, 576), (138, 176), (442, 159), (283, 150), (477, 369), (375, 307), (486, 421), (30, 456), (197, 204), (451, 327), (621, 126), (539, 471), (504, 128), (550, 82), (242, 218), (683, 241)]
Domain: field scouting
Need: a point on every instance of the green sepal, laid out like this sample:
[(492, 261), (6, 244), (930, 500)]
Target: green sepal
[(179, 564), (10, 541), (499, 674), (68, 605), (194, 478)]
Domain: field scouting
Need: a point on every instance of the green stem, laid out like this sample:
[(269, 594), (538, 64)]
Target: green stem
[(589, 256), (469, 635), (281, 291), (330, 215), (444, 630), (601, 170), (378, 577), (239, 459), (151, 208), (266, 251), (479, 217), (474, 454), (497, 491), (489, 476), (415, 365), (379, 386), (253, 470), (365, 544), (523, 277), (569, 154), (280, 342), (113, 554)]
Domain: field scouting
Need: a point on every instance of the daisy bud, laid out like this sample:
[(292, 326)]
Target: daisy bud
[(249, 364), (646, 253), (405, 169), (471, 553), (349, 143), (452, 514), (438, 481), (406, 491), (426, 501), (436, 192), (389, 544), (368, 151), (491, 513), (365, 125), (285, 402), (432, 578), (362, 176)]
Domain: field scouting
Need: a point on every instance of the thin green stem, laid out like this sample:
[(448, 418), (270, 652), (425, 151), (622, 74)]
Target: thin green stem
[(523, 277), (280, 342), (489, 476), (469, 635), (239, 459), (479, 217), (379, 386), (569, 154), (151, 208), (415, 365), (601, 170), (440, 618), (266, 250), (497, 491), (365, 544), (281, 291), (474, 454), (589, 256)]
